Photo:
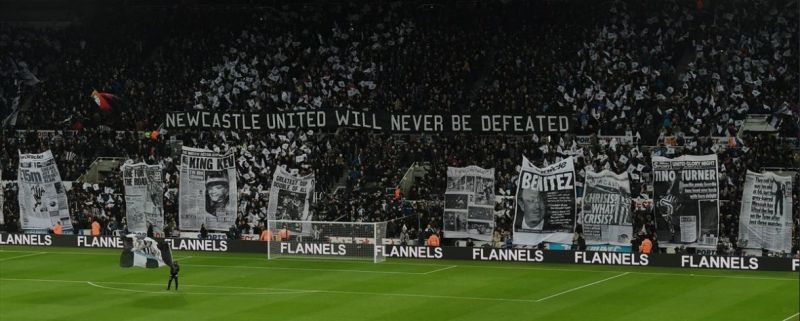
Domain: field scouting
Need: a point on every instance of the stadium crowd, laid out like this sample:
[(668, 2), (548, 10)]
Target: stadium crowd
[(642, 72)]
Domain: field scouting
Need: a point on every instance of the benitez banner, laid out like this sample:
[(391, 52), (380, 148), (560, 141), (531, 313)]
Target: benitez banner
[(144, 197), (289, 198), (765, 220), (686, 199), (208, 193), (380, 121), (469, 203), (606, 210), (545, 210), (42, 197)]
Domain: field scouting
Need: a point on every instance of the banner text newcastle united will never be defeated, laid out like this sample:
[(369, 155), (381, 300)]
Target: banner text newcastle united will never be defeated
[(381, 121)]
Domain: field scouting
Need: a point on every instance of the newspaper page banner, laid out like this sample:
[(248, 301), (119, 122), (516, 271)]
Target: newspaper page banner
[(545, 209), (208, 193), (686, 195), (765, 220), (42, 196), (606, 211), (144, 197), (469, 203), (377, 121), (289, 199)]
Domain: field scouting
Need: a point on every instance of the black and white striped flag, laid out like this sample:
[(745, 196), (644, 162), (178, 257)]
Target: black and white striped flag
[(144, 252)]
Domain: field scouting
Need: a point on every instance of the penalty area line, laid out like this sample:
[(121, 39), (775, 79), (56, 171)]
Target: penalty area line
[(21, 256), (442, 269), (194, 293), (280, 291), (582, 286)]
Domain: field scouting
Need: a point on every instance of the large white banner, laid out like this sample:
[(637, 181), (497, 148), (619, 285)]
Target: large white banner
[(208, 193), (765, 220), (469, 203), (42, 197), (289, 199), (606, 210), (144, 197), (686, 191), (545, 209)]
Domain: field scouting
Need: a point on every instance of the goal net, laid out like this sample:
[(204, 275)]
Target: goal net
[(328, 240)]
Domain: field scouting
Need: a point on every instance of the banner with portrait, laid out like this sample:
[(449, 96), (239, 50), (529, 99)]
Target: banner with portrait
[(208, 193), (290, 199), (765, 221), (686, 196), (469, 203), (545, 203), (144, 198), (606, 210), (42, 196)]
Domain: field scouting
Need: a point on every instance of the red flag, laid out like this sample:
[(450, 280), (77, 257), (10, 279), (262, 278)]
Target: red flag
[(103, 100)]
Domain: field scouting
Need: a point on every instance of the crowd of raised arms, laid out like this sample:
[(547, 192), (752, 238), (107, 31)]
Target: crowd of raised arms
[(647, 70)]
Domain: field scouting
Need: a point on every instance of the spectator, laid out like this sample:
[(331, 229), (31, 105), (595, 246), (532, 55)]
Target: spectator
[(95, 227), (58, 229), (433, 240)]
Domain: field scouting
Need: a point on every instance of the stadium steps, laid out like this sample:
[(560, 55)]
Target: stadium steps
[(101, 167)]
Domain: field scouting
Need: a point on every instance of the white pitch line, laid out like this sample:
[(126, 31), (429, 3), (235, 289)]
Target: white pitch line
[(582, 286), (791, 316), (21, 256), (193, 293), (442, 269), (302, 269), (246, 266), (156, 284), (296, 291)]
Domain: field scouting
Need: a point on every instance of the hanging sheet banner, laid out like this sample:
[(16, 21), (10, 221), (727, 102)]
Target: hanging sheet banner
[(765, 220), (380, 121), (208, 193), (687, 199), (42, 196), (545, 209), (290, 199), (144, 197), (606, 211), (469, 203)]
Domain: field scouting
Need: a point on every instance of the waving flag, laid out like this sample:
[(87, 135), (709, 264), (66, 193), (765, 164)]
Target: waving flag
[(144, 252), (103, 100)]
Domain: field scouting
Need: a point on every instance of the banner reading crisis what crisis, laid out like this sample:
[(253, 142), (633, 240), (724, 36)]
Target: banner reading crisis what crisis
[(381, 121), (42, 196), (469, 203), (765, 220), (545, 210), (606, 210), (144, 197), (686, 198), (208, 192)]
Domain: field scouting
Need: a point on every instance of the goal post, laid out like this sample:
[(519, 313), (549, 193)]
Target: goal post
[(326, 240)]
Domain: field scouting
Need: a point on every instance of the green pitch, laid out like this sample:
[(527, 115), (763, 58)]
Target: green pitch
[(87, 284)]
